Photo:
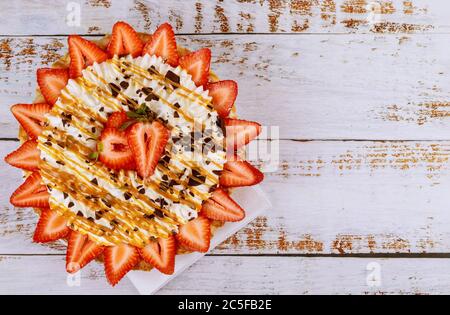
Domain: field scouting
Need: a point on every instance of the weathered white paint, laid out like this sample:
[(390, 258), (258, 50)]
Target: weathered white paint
[(328, 197), (243, 275), (313, 87), (27, 17)]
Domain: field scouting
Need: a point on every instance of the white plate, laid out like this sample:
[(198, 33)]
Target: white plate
[(252, 199)]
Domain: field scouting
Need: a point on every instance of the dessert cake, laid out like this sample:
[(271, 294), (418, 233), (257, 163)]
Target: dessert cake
[(130, 152)]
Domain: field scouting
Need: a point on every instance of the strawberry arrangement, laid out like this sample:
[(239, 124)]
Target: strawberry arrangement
[(132, 139)]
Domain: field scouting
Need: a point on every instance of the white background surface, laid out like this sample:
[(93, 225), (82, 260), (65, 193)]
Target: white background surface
[(363, 112)]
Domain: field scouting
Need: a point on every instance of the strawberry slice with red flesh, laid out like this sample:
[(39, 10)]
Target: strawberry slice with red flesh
[(163, 44), (51, 82), (32, 193), (197, 64), (195, 235), (147, 142), (26, 157), (31, 117), (83, 53), (119, 260), (51, 227), (161, 254), (240, 132), (80, 251), (116, 120), (223, 95), (114, 150), (221, 207), (240, 173), (124, 41)]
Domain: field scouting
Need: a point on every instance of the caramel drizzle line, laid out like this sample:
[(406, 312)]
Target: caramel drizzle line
[(212, 178), (86, 151), (119, 230), (89, 86), (126, 217), (100, 173), (73, 122), (140, 82), (170, 105), (162, 79), (71, 101)]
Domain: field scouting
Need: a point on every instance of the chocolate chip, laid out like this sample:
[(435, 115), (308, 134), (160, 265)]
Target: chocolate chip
[(142, 191), (149, 216), (159, 213), (151, 97), (70, 205), (80, 214), (127, 195), (175, 114), (114, 89), (94, 181), (124, 85), (174, 78), (60, 163), (65, 195)]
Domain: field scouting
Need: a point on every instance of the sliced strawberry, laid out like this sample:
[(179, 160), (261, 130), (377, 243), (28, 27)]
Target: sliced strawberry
[(80, 251), (83, 53), (240, 173), (195, 235), (31, 117), (147, 142), (114, 150), (223, 95), (119, 260), (197, 65), (51, 82), (124, 41), (163, 44), (221, 207), (161, 254), (32, 193), (116, 120), (51, 227), (240, 132), (26, 157)]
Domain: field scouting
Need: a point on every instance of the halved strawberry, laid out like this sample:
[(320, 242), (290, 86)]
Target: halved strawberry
[(240, 132), (163, 44), (26, 157), (147, 142), (223, 95), (197, 65), (80, 251), (240, 173), (51, 227), (161, 254), (114, 150), (124, 41), (116, 120), (221, 207), (32, 193), (31, 117), (195, 235), (83, 53), (119, 260), (51, 82)]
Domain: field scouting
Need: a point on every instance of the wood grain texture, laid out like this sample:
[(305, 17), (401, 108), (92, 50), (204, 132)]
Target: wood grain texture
[(250, 275), (27, 17), (323, 87), (329, 197)]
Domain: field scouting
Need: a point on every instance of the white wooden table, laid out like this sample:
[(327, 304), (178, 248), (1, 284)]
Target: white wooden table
[(362, 98)]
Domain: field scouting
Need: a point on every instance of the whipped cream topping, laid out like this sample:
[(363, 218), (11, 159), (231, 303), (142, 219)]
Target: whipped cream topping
[(118, 206)]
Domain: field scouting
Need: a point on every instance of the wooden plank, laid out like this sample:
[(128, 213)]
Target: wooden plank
[(250, 275), (329, 197), (27, 17), (368, 87)]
